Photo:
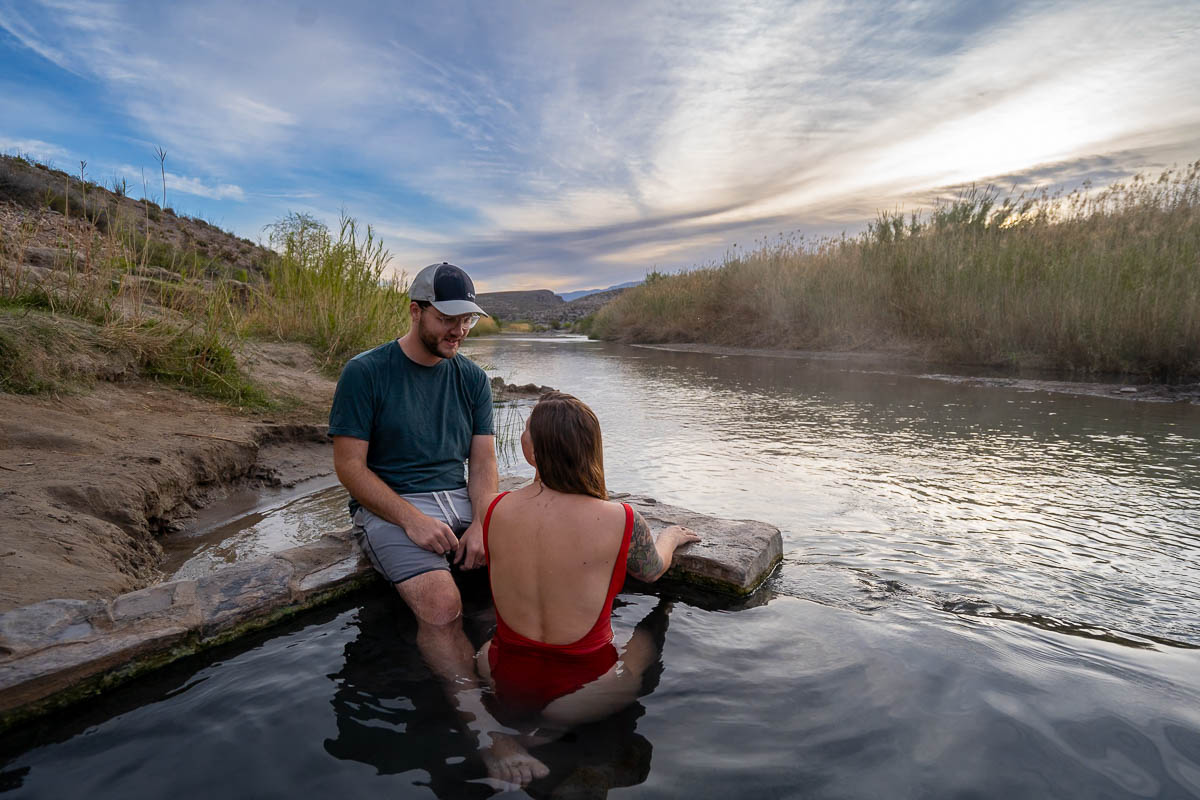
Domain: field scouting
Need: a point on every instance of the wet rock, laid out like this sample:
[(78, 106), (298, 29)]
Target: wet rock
[(340, 572), (241, 592), (166, 598), (732, 557), (504, 391), (326, 563), (78, 669), (58, 651), (49, 623)]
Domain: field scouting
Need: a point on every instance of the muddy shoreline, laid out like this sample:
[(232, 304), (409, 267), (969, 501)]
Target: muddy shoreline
[(90, 482), (884, 363)]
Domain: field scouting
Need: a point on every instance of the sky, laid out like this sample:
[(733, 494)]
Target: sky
[(574, 145)]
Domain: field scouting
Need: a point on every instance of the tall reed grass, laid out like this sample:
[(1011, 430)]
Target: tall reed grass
[(333, 293), (1088, 282)]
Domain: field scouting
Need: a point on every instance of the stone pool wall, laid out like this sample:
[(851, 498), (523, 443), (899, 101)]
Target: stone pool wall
[(57, 652)]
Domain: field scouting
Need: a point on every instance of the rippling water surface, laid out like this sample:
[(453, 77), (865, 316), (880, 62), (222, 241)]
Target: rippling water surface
[(985, 593)]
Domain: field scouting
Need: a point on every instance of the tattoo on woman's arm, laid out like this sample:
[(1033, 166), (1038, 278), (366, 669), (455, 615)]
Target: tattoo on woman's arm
[(643, 562)]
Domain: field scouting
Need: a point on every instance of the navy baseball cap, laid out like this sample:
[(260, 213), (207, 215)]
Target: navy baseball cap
[(448, 288)]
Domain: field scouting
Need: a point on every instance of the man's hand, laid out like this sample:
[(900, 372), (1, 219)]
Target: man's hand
[(431, 534), (470, 551)]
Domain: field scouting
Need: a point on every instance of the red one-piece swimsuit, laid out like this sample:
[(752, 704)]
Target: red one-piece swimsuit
[(529, 674)]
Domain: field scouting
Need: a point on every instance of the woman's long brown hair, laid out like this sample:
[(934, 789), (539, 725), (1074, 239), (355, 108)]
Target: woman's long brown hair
[(567, 446)]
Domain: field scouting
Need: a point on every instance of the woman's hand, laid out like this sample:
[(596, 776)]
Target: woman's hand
[(650, 557), (679, 536)]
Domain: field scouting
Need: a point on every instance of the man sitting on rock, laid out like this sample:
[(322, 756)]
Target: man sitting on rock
[(406, 416)]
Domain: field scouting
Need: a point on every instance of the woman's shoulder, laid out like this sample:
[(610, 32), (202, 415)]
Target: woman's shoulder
[(607, 510), (574, 504)]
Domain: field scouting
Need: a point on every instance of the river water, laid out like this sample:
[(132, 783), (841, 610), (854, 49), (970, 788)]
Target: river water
[(985, 593)]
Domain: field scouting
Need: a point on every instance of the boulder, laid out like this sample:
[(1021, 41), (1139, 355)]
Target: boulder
[(733, 557), (505, 391)]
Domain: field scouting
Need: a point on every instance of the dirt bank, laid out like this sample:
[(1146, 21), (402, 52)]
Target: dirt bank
[(905, 363), (88, 482)]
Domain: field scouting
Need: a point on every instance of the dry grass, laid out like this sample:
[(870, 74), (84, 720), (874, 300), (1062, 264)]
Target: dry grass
[(1104, 282), (486, 326), (179, 312)]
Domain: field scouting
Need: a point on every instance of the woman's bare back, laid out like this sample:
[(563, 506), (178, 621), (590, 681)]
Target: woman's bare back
[(551, 558)]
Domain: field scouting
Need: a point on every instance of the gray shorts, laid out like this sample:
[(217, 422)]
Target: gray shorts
[(394, 555)]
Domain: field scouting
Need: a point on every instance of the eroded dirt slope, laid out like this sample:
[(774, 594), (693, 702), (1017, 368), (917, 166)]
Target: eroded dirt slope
[(88, 482)]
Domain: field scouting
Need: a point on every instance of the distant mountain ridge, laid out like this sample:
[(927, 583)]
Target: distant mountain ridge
[(544, 306), (569, 296), (583, 293)]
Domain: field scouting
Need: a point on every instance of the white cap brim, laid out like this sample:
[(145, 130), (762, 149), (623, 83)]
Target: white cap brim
[(454, 308)]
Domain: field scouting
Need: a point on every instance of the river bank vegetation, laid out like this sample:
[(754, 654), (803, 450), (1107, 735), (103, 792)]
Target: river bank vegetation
[(1090, 282), (97, 285)]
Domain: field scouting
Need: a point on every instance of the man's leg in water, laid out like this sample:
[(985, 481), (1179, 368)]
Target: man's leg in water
[(436, 603)]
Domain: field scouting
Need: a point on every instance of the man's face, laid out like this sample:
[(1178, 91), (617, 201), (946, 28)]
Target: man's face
[(440, 334)]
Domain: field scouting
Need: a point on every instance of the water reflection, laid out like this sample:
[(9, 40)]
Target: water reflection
[(392, 714), (983, 595), (786, 699), (1056, 506), (253, 523)]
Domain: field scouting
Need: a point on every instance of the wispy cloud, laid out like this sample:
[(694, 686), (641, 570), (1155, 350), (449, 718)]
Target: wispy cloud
[(600, 140), (34, 148), (197, 187), (184, 184)]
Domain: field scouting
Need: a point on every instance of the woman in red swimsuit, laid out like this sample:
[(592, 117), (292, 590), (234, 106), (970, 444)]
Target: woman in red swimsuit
[(557, 553)]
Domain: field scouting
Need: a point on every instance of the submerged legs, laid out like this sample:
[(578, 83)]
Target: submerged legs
[(437, 605)]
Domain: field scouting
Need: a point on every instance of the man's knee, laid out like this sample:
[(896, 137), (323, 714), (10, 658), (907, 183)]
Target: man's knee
[(433, 597)]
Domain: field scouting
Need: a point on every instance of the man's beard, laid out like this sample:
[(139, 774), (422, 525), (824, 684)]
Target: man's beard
[(431, 341)]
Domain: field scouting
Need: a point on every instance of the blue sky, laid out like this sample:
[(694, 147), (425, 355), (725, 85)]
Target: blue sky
[(577, 145)]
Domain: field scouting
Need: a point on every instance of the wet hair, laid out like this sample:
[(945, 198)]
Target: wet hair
[(567, 446)]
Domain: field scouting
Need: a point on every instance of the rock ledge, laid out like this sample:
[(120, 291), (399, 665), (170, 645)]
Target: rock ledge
[(56, 652)]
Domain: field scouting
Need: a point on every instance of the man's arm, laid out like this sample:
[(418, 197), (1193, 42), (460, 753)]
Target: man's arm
[(350, 463), (483, 482)]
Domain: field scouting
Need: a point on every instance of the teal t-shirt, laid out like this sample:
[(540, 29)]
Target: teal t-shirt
[(417, 420)]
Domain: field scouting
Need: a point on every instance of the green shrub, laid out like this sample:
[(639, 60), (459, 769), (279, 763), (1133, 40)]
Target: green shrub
[(331, 293)]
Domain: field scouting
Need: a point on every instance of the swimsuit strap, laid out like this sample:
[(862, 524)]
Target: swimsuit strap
[(618, 576), (487, 519)]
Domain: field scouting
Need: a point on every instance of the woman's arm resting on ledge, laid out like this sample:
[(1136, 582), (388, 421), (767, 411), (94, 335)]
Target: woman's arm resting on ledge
[(649, 559)]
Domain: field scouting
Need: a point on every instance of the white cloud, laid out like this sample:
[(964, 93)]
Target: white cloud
[(197, 187), (184, 184), (602, 134), (36, 148), (21, 30)]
